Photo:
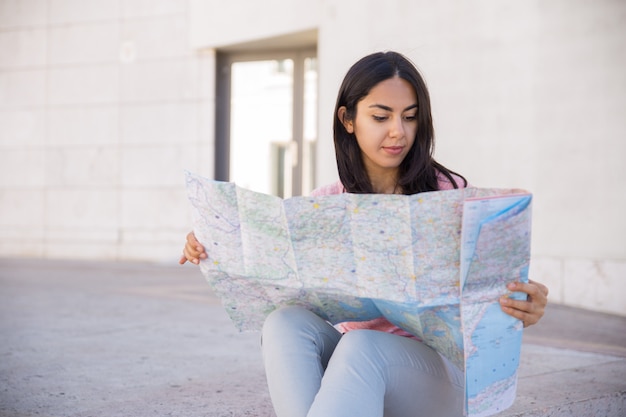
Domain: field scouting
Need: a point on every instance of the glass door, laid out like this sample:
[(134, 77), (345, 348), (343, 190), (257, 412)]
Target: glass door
[(267, 121)]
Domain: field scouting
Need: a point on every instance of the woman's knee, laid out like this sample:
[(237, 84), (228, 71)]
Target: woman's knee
[(294, 319), (357, 345), (295, 329), (284, 317), (280, 320)]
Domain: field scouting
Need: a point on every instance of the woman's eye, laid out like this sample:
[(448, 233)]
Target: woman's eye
[(410, 118), (379, 118)]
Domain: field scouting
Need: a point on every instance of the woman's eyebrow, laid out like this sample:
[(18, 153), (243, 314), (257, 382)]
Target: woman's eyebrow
[(387, 108)]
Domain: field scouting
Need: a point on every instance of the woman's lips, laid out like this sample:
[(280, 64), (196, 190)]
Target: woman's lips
[(393, 150)]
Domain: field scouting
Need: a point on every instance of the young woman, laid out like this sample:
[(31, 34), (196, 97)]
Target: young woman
[(383, 137)]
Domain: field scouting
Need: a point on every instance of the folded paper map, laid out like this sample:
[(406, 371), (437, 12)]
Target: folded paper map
[(434, 264)]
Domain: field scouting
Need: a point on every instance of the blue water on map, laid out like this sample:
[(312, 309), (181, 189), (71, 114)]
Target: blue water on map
[(497, 359)]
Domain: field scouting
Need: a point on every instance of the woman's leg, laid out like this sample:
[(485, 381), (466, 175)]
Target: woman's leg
[(297, 345), (372, 374)]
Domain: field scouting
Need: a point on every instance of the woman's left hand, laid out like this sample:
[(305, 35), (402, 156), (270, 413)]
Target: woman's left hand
[(530, 310)]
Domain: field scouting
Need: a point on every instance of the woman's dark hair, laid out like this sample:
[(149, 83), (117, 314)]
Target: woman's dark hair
[(418, 171)]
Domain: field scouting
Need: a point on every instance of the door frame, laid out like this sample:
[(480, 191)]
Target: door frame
[(224, 61)]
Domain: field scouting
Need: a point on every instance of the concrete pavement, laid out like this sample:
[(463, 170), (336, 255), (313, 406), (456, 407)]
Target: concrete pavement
[(134, 339)]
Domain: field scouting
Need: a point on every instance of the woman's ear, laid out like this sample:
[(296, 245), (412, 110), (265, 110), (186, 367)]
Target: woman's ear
[(341, 113)]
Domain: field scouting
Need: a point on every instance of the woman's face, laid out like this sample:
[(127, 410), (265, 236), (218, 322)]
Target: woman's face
[(385, 125)]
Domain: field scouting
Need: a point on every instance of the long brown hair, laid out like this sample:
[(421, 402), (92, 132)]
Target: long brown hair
[(418, 171)]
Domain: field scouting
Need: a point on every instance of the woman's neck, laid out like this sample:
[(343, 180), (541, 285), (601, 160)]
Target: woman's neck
[(386, 184)]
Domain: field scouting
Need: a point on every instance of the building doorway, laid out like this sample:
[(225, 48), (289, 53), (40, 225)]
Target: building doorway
[(266, 119)]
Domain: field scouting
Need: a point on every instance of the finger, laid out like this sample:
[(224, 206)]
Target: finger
[(182, 259), (517, 286), (545, 290), (526, 318), (191, 239), (519, 305), (536, 292), (195, 252), (530, 311), (191, 255), (195, 247)]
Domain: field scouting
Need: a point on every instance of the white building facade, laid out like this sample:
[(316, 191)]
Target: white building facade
[(104, 104)]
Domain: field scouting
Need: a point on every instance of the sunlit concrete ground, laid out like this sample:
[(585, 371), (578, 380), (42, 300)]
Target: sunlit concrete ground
[(134, 339)]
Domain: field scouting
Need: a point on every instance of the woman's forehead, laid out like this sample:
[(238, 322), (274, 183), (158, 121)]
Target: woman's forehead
[(397, 91)]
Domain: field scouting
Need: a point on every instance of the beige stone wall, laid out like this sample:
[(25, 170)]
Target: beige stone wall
[(104, 103)]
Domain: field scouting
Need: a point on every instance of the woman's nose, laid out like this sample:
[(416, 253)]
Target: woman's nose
[(396, 128)]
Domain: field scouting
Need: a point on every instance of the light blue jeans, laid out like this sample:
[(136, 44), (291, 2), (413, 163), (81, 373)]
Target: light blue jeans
[(315, 371)]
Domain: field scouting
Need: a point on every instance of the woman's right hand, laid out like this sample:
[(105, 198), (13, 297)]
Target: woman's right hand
[(193, 250)]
